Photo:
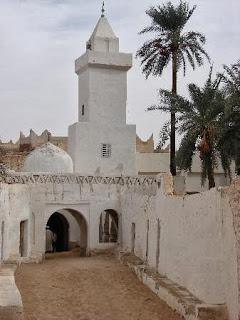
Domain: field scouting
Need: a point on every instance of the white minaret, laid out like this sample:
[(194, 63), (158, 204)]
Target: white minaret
[(101, 143)]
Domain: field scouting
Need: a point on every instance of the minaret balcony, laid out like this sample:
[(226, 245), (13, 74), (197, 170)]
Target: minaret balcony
[(108, 60)]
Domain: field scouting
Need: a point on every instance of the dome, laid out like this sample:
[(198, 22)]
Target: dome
[(48, 159)]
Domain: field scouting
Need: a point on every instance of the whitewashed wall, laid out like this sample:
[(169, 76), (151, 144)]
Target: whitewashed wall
[(35, 203), (197, 242), (15, 207)]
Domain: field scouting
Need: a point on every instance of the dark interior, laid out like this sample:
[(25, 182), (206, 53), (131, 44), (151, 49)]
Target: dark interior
[(58, 224)]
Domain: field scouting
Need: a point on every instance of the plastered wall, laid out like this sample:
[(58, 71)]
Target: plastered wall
[(14, 209), (191, 239)]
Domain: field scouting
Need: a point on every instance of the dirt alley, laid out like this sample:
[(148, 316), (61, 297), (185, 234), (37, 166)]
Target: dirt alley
[(66, 287)]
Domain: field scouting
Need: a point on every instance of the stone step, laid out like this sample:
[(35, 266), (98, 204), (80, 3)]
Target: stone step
[(176, 296)]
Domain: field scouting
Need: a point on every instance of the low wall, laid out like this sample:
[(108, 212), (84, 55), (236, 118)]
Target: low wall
[(15, 207), (176, 296), (10, 299)]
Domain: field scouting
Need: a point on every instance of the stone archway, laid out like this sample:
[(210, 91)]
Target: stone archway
[(60, 224)]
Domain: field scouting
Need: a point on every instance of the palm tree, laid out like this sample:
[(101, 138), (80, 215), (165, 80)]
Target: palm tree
[(230, 142), (171, 44), (202, 121)]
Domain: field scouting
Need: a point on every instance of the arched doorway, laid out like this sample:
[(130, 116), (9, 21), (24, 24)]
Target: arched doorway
[(69, 228), (108, 226), (59, 226)]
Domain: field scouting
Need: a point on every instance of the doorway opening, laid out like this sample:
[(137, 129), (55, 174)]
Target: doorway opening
[(108, 226)]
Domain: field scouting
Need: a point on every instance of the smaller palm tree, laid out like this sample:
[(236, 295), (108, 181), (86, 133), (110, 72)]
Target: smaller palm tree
[(231, 79), (230, 141), (201, 121), (171, 44)]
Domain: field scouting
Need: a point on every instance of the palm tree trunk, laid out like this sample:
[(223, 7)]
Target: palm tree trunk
[(173, 118), (211, 181), (210, 173), (237, 164)]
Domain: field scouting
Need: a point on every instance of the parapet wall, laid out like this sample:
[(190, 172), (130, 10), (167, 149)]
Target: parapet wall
[(14, 154)]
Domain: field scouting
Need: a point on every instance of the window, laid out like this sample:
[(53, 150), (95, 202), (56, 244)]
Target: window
[(23, 241), (133, 237), (89, 46), (2, 240), (83, 110), (106, 150)]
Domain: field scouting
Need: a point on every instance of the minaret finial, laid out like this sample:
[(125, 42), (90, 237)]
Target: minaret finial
[(103, 9)]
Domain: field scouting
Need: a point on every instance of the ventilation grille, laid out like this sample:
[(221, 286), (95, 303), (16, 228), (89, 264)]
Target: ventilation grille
[(106, 150)]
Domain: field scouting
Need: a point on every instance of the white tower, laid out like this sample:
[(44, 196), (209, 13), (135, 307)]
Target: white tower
[(101, 143)]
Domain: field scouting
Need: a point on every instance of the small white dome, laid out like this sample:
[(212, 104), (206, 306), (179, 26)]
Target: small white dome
[(48, 159)]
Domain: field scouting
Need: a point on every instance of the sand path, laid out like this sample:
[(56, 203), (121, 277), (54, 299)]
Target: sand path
[(66, 287)]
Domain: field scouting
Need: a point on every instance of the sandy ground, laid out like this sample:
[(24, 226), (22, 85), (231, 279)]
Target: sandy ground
[(66, 287)]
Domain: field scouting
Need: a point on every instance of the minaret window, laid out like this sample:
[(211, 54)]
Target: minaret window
[(83, 110), (106, 150), (89, 46)]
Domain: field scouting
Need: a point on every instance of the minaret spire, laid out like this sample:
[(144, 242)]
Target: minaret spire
[(103, 9)]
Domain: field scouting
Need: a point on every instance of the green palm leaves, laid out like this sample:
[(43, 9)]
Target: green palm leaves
[(171, 44), (209, 122), (167, 25)]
